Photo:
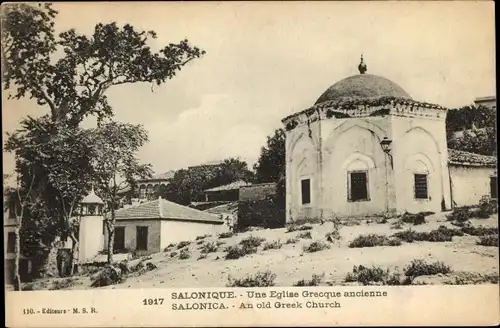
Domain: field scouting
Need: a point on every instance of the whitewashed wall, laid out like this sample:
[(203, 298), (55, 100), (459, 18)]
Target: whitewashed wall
[(470, 183)]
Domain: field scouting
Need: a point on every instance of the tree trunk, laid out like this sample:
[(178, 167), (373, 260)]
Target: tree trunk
[(17, 277), (111, 239), (74, 253), (111, 233)]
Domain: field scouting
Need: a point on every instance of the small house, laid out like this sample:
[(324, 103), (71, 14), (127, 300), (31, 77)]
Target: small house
[(151, 226)]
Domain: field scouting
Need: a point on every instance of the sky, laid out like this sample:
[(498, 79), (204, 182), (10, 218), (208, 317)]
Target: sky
[(265, 61)]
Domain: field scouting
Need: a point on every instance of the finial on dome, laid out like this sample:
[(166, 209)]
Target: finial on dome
[(362, 66)]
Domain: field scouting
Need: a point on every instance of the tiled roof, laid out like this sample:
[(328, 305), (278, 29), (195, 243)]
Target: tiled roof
[(232, 186), (163, 209), (229, 208), (458, 157), (162, 176)]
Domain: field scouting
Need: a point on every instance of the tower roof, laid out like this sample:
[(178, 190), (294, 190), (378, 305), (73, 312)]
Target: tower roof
[(362, 86), (92, 198)]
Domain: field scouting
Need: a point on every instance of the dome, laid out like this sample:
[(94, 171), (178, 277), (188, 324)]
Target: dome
[(92, 198), (362, 86)]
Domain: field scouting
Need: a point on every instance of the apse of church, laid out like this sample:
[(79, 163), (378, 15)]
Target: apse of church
[(366, 148)]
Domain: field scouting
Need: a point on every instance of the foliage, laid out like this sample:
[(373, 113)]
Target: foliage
[(71, 72), (441, 234), (460, 215), (297, 227), (252, 242), (315, 281), (369, 276), (305, 235), (478, 126), (272, 245), (237, 251), (202, 237), (183, 244), (260, 279), (373, 240), (188, 185), (479, 231), (202, 256), (293, 240), (209, 247), (316, 246), (422, 268), (184, 254), (116, 165), (270, 166), (228, 234), (488, 240), (487, 207), (108, 276), (415, 219)]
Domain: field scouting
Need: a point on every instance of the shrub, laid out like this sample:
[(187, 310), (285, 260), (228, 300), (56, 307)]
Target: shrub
[(169, 247), (220, 242), (373, 240), (479, 231), (459, 214), (108, 276), (440, 234), (305, 235), (293, 240), (304, 221), (184, 254), (488, 240), (209, 248), (228, 234), (296, 227), (487, 207), (272, 245), (252, 241), (369, 276), (62, 283), (315, 281), (202, 256), (202, 237), (332, 236), (151, 266), (199, 242), (316, 246), (415, 219), (173, 254), (237, 251), (183, 244), (397, 225), (260, 279), (421, 268)]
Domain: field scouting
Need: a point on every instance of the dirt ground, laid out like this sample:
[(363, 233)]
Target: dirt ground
[(291, 264)]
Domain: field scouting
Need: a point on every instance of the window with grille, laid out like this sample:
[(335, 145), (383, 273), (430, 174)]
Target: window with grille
[(358, 186), (494, 187), (421, 191), (11, 242), (306, 191)]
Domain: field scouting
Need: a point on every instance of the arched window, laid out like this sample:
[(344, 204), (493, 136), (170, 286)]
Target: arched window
[(420, 166), (142, 191), (149, 191), (357, 166)]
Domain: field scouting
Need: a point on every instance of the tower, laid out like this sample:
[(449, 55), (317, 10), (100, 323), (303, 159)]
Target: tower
[(91, 232)]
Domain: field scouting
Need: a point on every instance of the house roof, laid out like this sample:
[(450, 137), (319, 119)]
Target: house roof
[(459, 157), (231, 186), (161, 176), (229, 208), (163, 209)]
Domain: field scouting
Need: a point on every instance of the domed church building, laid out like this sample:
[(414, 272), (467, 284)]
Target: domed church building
[(366, 148)]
